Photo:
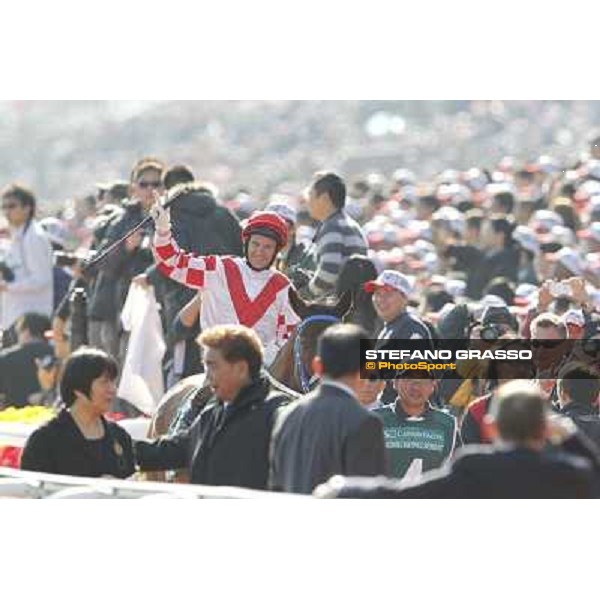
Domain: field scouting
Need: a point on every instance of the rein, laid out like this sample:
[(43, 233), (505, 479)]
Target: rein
[(302, 374)]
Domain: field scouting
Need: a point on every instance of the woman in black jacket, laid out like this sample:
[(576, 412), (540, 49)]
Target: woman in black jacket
[(79, 441)]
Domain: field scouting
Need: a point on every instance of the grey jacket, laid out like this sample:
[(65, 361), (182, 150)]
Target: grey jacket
[(326, 433)]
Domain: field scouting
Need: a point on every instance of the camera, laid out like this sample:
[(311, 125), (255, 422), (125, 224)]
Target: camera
[(65, 259), (491, 332), (7, 273)]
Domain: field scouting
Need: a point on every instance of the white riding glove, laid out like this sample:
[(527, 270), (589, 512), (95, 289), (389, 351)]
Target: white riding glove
[(162, 217)]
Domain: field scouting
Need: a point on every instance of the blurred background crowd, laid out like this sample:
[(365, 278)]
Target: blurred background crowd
[(476, 202)]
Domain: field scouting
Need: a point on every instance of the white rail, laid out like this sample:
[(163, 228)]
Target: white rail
[(28, 484)]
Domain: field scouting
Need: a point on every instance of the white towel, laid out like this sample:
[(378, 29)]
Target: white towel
[(142, 380)]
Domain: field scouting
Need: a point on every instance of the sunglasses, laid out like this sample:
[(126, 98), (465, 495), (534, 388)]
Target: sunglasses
[(546, 343), (149, 184), (9, 206)]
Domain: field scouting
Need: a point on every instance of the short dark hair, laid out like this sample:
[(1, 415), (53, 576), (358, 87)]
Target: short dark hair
[(36, 323), (81, 368), (431, 201), (339, 349), (148, 163), (520, 412), (474, 218), (435, 300), (327, 182), (501, 287), (506, 200), (235, 343), (177, 174), (119, 190), (22, 194), (580, 382), (505, 225)]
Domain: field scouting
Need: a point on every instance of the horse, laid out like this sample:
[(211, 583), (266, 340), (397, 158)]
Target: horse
[(193, 389), (357, 270), (353, 306), (281, 375), (292, 364)]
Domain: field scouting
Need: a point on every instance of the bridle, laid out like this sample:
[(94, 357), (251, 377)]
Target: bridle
[(305, 380)]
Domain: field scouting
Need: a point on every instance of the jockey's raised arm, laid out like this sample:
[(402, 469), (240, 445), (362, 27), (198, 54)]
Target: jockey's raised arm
[(248, 291)]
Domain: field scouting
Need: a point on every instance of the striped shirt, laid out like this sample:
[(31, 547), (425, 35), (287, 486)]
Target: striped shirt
[(338, 238)]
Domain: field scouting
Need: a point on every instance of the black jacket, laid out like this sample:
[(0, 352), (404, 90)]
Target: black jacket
[(586, 418), (18, 372), (222, 449), (489, 472), (59, 447), (498, 263), (110, 285), (326, 433)]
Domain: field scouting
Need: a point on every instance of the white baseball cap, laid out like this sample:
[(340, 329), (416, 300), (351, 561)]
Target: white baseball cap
[(525, 237), (390, 279), (546, 219), (570, 259), (574, 317)]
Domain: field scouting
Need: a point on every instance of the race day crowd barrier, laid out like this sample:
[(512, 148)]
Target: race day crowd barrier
[(15, 483)]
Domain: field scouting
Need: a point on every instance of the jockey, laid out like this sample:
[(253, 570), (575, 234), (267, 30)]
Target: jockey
[(248, 290)]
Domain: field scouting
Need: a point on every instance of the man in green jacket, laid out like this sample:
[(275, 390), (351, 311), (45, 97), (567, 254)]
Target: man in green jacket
[(418, 437)]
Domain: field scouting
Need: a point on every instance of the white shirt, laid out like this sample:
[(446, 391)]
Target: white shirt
[(29, 255), (220, 302)]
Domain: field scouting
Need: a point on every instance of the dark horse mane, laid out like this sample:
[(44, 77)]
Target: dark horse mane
[(357, 270)]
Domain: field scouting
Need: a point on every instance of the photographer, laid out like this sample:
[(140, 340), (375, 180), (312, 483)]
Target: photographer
[(109, 288), (26, 279)]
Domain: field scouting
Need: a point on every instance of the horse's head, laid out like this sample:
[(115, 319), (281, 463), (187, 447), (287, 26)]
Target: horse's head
[(338, 308), (316, 317), (293, 365), (357, 270)]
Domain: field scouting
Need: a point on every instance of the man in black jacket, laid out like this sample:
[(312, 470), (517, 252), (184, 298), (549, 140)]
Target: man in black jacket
[(519, 465), (578, 389), (228, 443), (18, 369), (500, 256), (328, 432), (111, 283)]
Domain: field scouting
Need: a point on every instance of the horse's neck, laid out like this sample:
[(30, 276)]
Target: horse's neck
[(364, 316), (282, 367)]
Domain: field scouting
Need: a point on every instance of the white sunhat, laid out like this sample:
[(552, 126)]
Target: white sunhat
[(391, 279)]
